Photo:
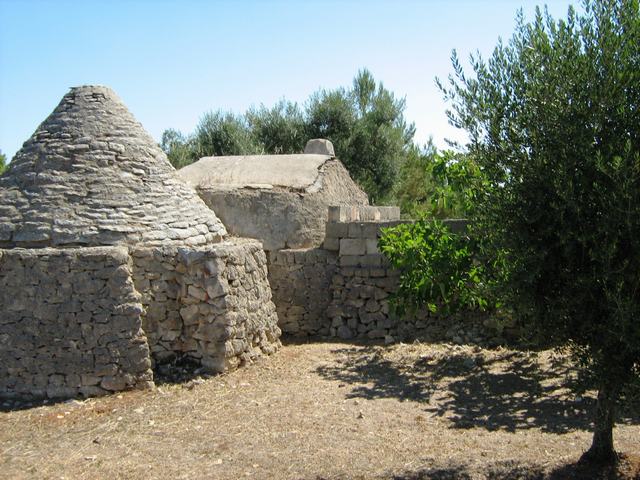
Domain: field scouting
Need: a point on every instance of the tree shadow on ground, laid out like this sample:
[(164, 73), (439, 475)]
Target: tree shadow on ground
[(499, 470), (627, 469), (507, 390), (376, 377), (513, 471)]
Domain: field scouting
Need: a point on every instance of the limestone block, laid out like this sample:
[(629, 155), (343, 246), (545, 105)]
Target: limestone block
[(189, 314), (378, 272), (113, 383), (332, 244), (216, 287), (319, 146), (351, 261), (337, 230), (363, 214), (372, 246), (352, 246), (372, 260), (344, 332), (377, 333), (197, 292), (372, 306), (371, 230)]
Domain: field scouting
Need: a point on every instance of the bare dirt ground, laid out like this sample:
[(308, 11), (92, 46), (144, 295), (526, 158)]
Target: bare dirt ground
[(328, 411)]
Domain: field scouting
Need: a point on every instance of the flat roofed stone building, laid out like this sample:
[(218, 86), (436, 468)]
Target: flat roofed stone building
[(281, 200)]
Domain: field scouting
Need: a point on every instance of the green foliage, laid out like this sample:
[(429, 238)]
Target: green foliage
[(278, 130), (365, 124), (217, 133), (380, 139), (367, 127), (435, 184), (223, 133), (179, 149), (554, 128), (3, 162), (330, 115), (437, 268)]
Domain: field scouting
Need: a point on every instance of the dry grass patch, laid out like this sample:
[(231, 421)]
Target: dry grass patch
[(327, 411)]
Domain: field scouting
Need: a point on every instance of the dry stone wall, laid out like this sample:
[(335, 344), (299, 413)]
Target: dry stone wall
[(71, 324), (212, 304), (301, 284), (344, 289), (364, 282)]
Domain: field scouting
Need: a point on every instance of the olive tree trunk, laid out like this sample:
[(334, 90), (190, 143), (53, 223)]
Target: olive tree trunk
[(601, 450)]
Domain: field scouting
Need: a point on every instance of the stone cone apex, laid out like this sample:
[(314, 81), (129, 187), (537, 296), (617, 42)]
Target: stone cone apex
[(91, 175)]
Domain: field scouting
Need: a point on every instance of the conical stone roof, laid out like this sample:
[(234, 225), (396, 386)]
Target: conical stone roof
[(91, 175)]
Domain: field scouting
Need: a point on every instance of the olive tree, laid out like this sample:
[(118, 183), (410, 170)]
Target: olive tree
[(280, 129), (223, 133), (179, 149), (365, 123), (554, 124), (369, 132)]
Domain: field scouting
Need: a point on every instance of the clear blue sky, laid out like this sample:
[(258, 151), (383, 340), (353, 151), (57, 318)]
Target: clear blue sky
[(170, 61)]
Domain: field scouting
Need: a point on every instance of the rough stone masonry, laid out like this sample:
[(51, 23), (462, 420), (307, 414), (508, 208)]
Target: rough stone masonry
[(91, 176), (344, 289), (211, 304), (142, 272), (70, 324)]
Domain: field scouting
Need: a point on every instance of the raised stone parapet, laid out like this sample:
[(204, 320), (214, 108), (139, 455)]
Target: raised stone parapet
[(70, 324), (357, 237), (362, 213)]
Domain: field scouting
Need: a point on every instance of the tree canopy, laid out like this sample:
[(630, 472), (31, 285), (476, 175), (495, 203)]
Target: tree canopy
[(554, 125), (365, 123), (3, 162), (435, 183)]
